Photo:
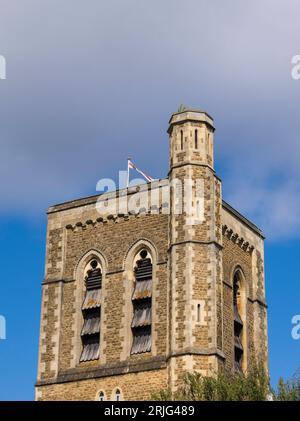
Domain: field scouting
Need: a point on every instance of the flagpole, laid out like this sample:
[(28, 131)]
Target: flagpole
[(128, 159)]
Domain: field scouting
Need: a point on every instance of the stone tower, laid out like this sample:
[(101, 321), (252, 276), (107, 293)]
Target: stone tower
[(131, 301), (195, 244)]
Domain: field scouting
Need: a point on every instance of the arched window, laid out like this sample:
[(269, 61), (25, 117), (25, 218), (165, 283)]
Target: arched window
[(90, 333), (101, 396), (142, 301), (118, 395), (181, 140), (238, 323), (196, 139)]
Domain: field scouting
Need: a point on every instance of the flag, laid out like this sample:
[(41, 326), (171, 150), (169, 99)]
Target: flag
[(131, 166)]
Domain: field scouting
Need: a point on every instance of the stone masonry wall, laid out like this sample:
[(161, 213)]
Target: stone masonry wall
[(133, 386), (76, 232), (113, 239)]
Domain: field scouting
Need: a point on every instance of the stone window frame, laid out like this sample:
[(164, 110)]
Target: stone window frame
[(114, 394), (237, 268), (129, 279), (100, 392), (79, 276)]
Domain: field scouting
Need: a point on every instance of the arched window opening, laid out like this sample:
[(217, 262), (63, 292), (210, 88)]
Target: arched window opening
[(118, 395), (181, 140), (196, 139), (142, 301), (101, 396), (238, 324), (90, 333)]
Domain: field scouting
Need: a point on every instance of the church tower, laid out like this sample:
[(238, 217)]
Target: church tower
[(132, 301), (195, 248)]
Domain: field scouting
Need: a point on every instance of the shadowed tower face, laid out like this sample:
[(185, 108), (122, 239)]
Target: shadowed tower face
[(132, 301), (195, 247)]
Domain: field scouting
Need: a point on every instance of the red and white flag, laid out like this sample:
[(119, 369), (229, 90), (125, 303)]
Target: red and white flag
[(132, 166)]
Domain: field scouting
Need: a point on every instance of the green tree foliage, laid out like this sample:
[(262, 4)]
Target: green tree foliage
[(290, 390), (252, 386)]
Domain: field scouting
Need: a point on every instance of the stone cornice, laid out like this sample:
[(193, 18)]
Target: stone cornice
[(197, 351), (206, 243), (106, 370)]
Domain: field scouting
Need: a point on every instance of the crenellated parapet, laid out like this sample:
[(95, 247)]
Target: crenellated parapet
[(237, 239)]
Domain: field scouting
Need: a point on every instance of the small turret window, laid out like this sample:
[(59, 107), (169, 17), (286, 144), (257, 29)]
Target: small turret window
[(181, 139), (196, 139), (198, 313)]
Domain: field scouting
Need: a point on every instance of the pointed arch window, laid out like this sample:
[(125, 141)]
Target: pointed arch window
[(238, 324), (91, 311), (142, 303), (101, 396), (118, 395)]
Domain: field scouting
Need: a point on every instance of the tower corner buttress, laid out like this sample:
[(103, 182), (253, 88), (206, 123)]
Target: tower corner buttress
[(195, 247)]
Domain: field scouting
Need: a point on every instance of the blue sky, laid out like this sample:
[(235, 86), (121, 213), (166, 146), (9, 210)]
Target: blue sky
[(89, 83)]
